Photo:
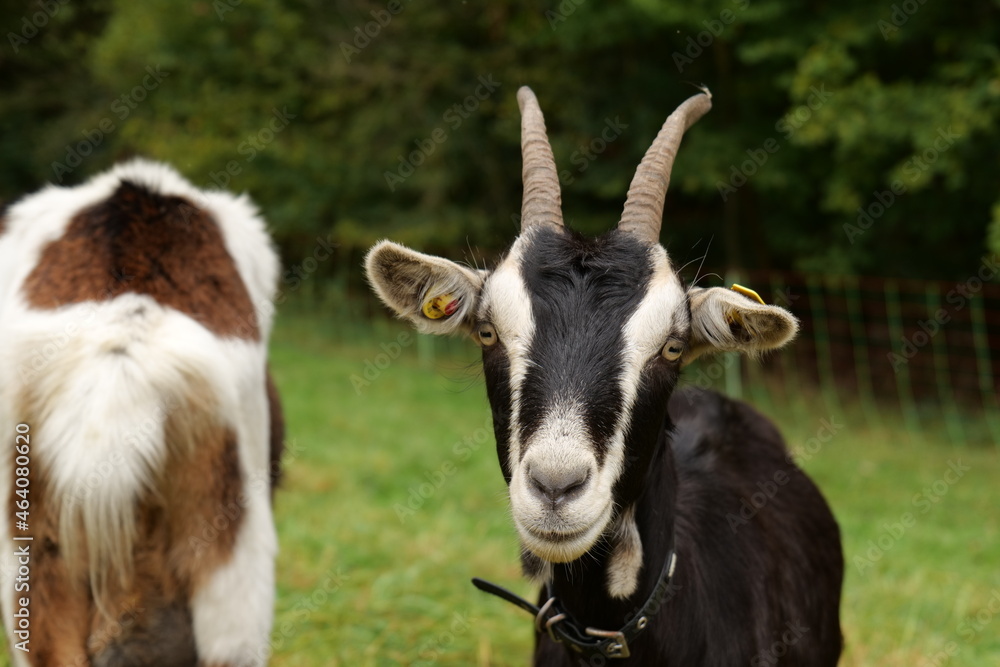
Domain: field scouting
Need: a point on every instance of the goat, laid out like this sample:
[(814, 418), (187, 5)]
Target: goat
[(135, 311), (626, 496)]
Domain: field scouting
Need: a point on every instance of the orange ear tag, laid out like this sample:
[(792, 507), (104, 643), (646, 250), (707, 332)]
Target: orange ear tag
[(733, 316), (440, 306)]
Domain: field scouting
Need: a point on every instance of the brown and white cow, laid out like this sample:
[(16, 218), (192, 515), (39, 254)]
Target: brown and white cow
[(135, 311)]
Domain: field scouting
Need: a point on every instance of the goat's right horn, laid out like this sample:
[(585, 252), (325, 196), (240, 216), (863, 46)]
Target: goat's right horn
[(542, 202), (643, 212)]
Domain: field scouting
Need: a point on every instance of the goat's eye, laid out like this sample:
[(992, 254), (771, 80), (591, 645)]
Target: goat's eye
[(673, 350), (486, 334)]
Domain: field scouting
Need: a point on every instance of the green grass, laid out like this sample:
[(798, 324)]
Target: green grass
[(362, 583)]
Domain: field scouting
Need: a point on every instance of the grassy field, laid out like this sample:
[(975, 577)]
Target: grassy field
[(393, 499)]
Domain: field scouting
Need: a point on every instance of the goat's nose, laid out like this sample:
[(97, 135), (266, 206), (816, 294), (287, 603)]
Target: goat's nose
[(558, 485)]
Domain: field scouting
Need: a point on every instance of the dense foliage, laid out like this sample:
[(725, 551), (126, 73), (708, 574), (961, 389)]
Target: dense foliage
[(846, 137)]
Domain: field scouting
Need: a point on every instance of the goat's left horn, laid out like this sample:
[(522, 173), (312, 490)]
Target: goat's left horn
[(643, 212), (542, 202)]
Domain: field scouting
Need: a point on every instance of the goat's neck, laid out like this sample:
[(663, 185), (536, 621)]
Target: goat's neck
[(581, 586)]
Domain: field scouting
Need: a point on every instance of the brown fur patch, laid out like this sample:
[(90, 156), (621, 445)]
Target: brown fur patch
[(59, 607), (143, 242), (150, 623), (206, 503), (277, 430), (187, 528)]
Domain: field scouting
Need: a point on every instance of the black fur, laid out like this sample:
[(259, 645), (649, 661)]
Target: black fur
[(759, 591), (765, 590), (578, 287), (496, 367), (158, 637), (277, 435)]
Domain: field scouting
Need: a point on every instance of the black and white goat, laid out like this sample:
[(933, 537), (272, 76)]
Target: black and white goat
[(623, 492), (135, 311)]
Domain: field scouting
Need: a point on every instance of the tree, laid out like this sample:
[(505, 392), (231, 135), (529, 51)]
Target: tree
[(357, 121)]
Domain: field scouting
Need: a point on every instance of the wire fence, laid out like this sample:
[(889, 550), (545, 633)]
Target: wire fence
[(924, 353), (908, 356)]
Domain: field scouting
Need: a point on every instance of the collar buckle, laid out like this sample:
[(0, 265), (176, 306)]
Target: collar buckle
[(562, 628), (616, 647), (548, 622)]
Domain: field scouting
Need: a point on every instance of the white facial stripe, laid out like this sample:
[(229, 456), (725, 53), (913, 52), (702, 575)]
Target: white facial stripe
[(509, 304), (647, 329), (557, 444), (644, 334)]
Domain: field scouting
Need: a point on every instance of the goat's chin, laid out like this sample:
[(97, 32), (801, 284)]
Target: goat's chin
[(561, 547)]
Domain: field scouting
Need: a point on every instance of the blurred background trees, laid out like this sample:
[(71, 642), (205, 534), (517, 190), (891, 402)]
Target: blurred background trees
[(849, 137)]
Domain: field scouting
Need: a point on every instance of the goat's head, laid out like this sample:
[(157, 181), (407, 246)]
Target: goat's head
[(582, 342)]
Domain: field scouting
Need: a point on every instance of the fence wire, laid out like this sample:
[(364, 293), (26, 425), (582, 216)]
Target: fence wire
[(924, 353)]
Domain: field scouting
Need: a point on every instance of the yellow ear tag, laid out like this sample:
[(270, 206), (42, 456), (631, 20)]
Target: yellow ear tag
[(747, 292), (733, 316), (440, 306)]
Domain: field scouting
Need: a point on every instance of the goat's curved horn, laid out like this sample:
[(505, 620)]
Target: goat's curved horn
[(643, 212), (542, 203)]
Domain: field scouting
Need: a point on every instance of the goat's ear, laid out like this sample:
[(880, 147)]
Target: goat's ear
[(735, 320), (436, 295)]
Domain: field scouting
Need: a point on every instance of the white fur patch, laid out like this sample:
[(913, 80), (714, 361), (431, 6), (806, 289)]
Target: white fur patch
[(232, 612), (645, 333), (102, 378), (559, 444), (626, 558), (102, 402), (505, 297)]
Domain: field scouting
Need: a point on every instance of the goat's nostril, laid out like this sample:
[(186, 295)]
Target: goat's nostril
[(558, 485)]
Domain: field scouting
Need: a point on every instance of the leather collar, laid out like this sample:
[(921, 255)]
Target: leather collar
[(589, 642)]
